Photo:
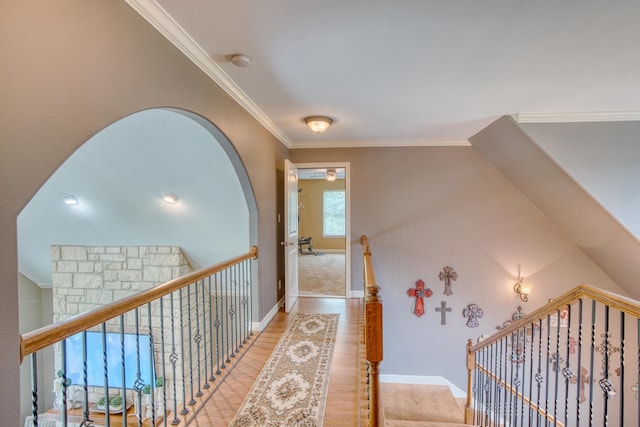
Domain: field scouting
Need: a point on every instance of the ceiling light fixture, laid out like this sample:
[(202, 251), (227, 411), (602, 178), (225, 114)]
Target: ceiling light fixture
[(241, 60), (70, 200), (318, 124), (169, 197), (331, 175)]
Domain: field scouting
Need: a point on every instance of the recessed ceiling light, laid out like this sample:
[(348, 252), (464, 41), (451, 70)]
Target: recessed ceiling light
[(70, 200), (169, 197)]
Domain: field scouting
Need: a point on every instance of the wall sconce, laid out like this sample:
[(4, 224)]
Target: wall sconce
[(318, 124), (522, 289)]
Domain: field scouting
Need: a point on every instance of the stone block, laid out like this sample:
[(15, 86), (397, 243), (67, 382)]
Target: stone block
[(134, 264), (130, 275), (157, 274), (113, 250), (133, 252), (73, 253), (113, 257), (62, 280), (163, 249), (110, 275), (86, 267), (99, 297), (66, 267), (164, 259), (112, 266), (87, 280), (55, 253), (96, 249)]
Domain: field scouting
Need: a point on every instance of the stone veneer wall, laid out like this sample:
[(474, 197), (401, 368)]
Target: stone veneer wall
[(87, 277)]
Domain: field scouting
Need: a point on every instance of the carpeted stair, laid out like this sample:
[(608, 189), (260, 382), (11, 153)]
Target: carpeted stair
[(420, 405)]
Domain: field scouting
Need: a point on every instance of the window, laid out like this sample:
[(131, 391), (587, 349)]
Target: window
[(333, 214)]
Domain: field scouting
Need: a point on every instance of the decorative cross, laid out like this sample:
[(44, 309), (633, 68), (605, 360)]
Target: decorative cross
[(634, 388), (443, 312), (556, 361), (584, 379), (447, 274), (419, 292), (473, 312), (606, 347), (572, 345)]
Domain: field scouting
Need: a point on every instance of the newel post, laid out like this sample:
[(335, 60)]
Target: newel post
[(373, 341), (471, 361)]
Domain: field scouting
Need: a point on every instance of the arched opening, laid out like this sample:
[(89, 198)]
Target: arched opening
[(118, 178)]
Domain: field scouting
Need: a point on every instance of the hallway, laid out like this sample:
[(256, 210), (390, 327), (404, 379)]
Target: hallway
[(343, 401)]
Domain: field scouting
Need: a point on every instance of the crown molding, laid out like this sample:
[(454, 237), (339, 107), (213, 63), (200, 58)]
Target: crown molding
[(153, 13), (381, 143), (614, 116)]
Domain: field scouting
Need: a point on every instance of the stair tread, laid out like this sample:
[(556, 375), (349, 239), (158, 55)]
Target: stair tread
[(420, 403)]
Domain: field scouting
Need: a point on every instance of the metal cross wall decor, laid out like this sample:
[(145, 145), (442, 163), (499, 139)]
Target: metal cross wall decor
[(419, 292), (447, 275), (473, 312), (443, 309)]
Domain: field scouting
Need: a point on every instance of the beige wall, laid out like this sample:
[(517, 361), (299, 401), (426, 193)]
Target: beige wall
[(69, 69), (424, 208), (310, 212)]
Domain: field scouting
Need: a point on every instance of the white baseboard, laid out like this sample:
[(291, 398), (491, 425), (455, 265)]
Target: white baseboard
[(414, 379), (259, 326), (356, 294)]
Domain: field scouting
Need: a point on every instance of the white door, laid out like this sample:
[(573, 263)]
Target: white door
[(290, 241)]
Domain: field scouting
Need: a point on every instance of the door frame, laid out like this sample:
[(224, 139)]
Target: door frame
[(347, 233)]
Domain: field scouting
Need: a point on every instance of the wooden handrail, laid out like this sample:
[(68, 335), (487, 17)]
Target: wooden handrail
[(38, 339), (373, 335), (613, 300)]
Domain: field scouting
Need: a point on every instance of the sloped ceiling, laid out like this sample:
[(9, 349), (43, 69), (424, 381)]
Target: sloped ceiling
[(118, 177), (577, 204)]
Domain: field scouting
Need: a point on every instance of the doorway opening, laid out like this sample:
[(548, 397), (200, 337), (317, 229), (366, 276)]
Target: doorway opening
[(323, 227)]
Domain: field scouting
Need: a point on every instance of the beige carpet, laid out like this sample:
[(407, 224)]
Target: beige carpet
[(321, 275), (419, 403), (291, 389)]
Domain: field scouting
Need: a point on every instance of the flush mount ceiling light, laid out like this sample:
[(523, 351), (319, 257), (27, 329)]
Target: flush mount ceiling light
[(318, 124), (70, 200), (241, 60), (169, 197)]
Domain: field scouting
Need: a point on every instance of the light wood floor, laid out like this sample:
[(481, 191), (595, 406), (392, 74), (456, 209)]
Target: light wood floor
[(343, 401)]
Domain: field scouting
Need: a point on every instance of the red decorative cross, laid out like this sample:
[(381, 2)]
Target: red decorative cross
[(419, 292)]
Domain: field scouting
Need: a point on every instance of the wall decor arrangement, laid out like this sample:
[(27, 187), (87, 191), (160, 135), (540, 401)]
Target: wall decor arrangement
[(473, 312), (443, 309), (419, 293), (447, 275)]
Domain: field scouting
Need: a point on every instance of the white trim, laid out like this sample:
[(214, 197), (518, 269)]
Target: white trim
[(356, 294), (362, 143), (415, 379), (259, 326), (169, 28), (610, 116)]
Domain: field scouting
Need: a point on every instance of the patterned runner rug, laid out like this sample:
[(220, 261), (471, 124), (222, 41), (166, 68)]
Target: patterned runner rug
[(292, 387)]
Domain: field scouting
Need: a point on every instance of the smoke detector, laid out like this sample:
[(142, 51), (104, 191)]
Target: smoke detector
[(241, 60)]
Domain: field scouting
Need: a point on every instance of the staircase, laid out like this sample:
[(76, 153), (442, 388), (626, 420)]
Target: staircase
[(420, 405)]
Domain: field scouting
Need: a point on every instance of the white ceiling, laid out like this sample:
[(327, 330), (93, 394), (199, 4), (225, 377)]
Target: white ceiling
[(410, 72)]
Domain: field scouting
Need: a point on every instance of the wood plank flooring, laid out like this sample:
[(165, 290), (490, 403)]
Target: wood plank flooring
[(344, 397)]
